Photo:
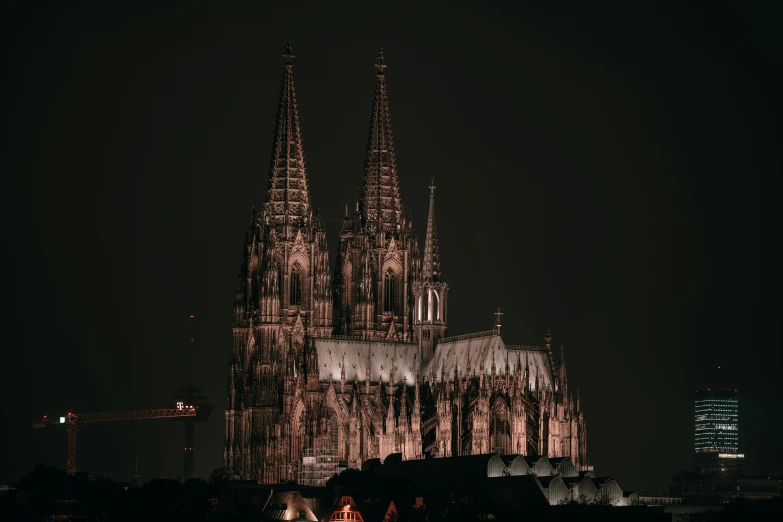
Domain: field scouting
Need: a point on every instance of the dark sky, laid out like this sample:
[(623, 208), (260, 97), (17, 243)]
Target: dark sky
[(611, 174)]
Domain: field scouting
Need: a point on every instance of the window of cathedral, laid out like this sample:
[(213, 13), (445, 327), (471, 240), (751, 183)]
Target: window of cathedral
[(334, 434), (295, 284), (302, 426), (347, 297), (388, 292), (500, 430)]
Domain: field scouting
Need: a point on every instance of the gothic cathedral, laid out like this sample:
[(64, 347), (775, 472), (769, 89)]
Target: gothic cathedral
[(329, 370)]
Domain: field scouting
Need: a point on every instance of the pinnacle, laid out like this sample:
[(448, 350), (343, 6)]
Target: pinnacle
[(431, 255)]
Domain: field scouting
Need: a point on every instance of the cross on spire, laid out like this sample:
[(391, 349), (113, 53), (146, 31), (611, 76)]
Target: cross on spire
[(379, 62), (432, 185), (497, 320), (289, 53)]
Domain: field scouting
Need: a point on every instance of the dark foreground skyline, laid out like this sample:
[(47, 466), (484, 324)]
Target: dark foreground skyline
[(605, 174)]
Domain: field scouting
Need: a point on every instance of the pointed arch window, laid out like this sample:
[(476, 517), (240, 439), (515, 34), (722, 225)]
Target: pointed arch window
[(389, 291), (334, 434), (295, 284), (500, 431), (302, 432), (347, 297)]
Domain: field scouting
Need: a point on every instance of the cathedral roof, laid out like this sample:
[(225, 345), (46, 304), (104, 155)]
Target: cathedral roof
[(475, 351), (287, 197), (359, 355)]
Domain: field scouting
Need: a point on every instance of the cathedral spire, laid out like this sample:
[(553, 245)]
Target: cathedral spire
[(379, 198), (431, 257), (287, 197), (563, 382)]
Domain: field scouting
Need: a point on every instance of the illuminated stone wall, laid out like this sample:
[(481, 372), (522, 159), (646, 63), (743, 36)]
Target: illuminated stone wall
[(361, 369)]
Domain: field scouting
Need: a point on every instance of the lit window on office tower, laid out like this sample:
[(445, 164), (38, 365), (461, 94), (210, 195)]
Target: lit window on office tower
[(716, 420)]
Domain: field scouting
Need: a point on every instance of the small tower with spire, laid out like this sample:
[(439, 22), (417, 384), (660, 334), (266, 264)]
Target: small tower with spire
[(430, 292)]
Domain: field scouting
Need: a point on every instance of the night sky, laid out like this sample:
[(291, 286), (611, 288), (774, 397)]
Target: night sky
[(610, 174)]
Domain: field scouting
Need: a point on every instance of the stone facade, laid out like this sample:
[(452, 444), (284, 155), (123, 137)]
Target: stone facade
[(360, 367)]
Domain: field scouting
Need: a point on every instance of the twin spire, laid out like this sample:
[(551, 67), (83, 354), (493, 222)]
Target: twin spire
[(287, 197), (379, 198)]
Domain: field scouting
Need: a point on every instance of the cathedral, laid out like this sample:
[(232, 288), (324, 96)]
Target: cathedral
[(331, 368)]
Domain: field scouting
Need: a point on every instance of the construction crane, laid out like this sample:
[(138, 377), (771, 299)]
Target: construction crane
[(189, 396), (74, 420)]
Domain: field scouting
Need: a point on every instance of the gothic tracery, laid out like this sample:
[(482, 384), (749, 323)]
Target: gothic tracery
[(360, 368)]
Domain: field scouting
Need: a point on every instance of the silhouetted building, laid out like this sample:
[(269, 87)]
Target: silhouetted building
[(759, 486), (717, 473), (327, 372), (659, 500), (506, 479)]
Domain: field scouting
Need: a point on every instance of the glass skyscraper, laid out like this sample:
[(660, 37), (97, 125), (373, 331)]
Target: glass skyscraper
[(716, 430), (717, 427)]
